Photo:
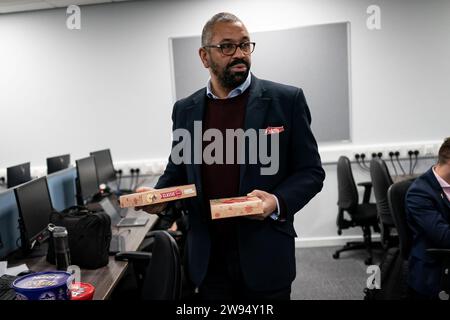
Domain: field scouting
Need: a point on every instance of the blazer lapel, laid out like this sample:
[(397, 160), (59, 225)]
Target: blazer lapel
[(195, 113), (255, 114)]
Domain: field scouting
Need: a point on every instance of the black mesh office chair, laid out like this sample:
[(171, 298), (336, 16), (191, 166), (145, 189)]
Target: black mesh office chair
[(362, 215), (381, 181), (396, 199), (161, 279)]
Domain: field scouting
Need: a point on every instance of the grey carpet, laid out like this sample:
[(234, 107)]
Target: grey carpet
[(320, 277)]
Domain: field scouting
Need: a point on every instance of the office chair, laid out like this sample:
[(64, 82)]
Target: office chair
[(362, 215), (396, 199), (381, 181), (161, 279)]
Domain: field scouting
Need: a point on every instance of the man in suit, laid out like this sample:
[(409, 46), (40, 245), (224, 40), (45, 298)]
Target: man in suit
[(428, 214), (253, 256)]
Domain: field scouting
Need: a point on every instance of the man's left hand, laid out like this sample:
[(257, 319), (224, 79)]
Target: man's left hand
[(269, 204)]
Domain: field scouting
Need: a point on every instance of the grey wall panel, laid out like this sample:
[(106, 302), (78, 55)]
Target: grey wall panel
[(314, 58)]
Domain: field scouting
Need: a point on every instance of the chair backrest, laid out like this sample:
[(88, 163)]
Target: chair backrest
[(163, 277), (347, 191), (381, 181), (396, 197)]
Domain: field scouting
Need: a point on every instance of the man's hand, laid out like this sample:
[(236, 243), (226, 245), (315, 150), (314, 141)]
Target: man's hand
[(269, 204), (151, 208)]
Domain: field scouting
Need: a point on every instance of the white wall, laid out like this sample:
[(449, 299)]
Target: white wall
[(109, 84)]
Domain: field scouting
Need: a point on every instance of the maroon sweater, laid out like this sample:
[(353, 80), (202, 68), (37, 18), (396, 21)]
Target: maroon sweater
[(222, 180)]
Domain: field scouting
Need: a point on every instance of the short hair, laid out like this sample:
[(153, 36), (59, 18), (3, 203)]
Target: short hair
[(444, 152), (219, 17)]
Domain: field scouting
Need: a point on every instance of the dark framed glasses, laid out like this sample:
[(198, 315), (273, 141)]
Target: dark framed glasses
[(229, 49)]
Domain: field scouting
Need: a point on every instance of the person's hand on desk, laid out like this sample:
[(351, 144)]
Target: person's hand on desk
[(152, 208), (269, 204)]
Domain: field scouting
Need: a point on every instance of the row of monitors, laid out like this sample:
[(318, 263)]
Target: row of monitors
[(34, 202), (19, 174)]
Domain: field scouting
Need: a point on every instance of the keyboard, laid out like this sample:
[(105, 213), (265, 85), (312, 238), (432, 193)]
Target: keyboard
[(117, 244), (6, 290)]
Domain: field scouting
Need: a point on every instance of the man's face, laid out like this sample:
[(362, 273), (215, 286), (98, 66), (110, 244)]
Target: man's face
[(230, 71)]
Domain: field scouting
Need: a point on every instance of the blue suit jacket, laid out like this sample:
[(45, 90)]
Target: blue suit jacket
[(428, 214), (266, 247)]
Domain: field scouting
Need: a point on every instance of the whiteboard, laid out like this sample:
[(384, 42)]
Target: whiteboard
[(314, 58)]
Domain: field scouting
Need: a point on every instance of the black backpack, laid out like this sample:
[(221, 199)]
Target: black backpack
[(89, 235), (394, 271)]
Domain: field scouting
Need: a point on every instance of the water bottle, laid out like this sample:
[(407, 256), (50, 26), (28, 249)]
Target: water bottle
[(61, 244)]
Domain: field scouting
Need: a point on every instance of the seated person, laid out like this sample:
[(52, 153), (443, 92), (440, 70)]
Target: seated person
[(428, 215)]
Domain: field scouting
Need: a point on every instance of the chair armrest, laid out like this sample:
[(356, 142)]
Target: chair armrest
[(174, 234), (133, 256), (367, 190)]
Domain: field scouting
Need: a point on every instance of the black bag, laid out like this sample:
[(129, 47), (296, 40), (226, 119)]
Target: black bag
[(394, 272), (89, 235)]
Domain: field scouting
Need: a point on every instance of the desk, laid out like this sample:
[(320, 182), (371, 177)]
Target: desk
[(104, 279), (400, 178)]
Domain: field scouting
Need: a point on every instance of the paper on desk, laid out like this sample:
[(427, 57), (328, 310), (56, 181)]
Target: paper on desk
[(3, 267), (14, 271)]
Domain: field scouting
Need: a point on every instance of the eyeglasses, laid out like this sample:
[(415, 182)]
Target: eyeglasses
[(229, 49)]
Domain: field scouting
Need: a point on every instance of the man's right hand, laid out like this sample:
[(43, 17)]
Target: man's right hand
[(151, 208)]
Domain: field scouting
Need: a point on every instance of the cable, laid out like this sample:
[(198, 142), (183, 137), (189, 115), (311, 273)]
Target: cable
[(391, 155), (398, 161), (357, 157), (132, 178), (410, 153), (416, 156), (363, 156), (136, 183), (119, 180)]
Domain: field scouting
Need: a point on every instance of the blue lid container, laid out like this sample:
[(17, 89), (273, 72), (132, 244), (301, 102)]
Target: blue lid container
[(49, 285)]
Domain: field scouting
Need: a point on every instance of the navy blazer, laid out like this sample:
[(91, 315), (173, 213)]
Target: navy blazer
[(428, 215), (266, 248)]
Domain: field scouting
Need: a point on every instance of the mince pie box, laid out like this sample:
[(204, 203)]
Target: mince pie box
[(157, 196), (235, 207)]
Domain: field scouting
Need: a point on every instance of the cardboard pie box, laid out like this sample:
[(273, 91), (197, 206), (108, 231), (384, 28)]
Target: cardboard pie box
[(157, 196), (235, 207)]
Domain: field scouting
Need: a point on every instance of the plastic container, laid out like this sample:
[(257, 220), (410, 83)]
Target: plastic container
[(82, 291), (49, 285)]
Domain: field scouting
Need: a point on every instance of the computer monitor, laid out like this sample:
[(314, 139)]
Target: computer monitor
[(58, 163), (17, 175), (104, 164), (87, 181), (35, 207)]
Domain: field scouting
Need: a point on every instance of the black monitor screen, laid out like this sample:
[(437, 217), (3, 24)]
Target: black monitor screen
[(35, 207), (18, 174), (104, 164), (87, 178), (58, 163)]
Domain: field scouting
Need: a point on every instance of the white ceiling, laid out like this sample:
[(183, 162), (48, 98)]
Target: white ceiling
[(7, 6)]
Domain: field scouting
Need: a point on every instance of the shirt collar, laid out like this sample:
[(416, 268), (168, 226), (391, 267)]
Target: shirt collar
[(233, 93), (441, 181)]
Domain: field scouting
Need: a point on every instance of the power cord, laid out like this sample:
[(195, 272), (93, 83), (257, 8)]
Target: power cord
[(397, 154), (363, 157), (410, 154), (416, 156), (391, 156)]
